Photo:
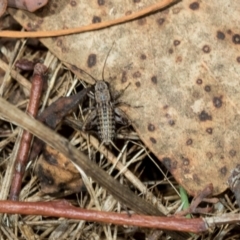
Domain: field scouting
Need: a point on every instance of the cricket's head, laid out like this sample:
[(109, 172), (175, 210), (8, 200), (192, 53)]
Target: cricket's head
[(102, 93)]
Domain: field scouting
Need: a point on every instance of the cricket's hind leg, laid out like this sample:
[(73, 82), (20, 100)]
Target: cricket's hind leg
[(121, 118), (91, 120)]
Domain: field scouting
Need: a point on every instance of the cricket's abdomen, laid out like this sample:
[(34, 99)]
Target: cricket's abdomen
[(106, 123)]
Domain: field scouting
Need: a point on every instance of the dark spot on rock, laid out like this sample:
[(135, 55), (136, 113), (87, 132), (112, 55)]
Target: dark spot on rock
[(169, 163), (124, 77), (101, 2), (160, 21), (209, 155), (154, 79), (73, 3), (209, 130), (170, 51), (207, 88), (199, 81), (136, 1), (96, 19), (229, 31), (223, 170), (165, 107), (232, 153), (194, 6), (176, 42), (23, 16), (151, 127), (137, 74), (142, 21), (204, 116), (55, 5), (189, 141), (196, 179), (138, 84), (92, 59), (236, 38), (217, 102), (52, 11), (206, 49), (143, 56), (171, 122), (186, 161), (238, 59), (153, 140), (220, 35)]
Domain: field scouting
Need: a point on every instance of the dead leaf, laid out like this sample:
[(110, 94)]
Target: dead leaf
[(57, 173), (183, 64)]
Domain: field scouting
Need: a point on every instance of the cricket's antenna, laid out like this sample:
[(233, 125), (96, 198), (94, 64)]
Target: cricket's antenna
[(88, 75), (106, 61), (82, 71)]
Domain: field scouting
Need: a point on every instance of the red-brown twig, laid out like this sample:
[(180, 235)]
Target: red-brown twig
[(66, 210), (22, 157)]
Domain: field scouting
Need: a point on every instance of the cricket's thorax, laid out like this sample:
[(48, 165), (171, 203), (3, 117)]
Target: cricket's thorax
[(105, 113), (102, 94)]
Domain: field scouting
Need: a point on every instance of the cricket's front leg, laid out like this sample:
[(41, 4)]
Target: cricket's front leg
[(121, 117)]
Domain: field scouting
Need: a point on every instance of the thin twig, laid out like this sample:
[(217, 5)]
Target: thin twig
[(23, 152)]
